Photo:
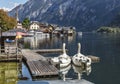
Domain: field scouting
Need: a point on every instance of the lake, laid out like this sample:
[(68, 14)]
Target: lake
[(105, 46)]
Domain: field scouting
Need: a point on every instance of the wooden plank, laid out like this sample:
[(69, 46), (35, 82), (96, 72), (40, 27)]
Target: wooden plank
[(39, 68), (32, 56)]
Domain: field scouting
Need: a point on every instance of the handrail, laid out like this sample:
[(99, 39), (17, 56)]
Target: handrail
[(9, 47)]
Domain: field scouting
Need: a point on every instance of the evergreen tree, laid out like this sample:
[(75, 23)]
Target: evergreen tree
[(26, 23)]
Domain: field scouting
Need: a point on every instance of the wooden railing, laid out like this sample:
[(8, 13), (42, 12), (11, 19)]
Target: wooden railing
[(10, 53)]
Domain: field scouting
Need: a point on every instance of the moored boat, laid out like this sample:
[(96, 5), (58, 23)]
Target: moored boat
[(80, 59), (64, 60)]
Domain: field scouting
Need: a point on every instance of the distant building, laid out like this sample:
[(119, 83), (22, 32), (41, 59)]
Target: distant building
[(64, 30), (34, 25), (19, 25), (37, 26)]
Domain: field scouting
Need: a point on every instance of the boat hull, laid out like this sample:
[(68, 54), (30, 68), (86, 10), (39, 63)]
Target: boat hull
[(77, 63), (63, 62), (81, 62)]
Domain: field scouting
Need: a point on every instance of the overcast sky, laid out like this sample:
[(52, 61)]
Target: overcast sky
[(10, 4)]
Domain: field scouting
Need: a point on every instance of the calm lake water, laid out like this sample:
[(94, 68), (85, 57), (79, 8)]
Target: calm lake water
[(9, 73), (105, 46)]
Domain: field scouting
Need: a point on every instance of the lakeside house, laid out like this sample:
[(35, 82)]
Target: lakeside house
[(34, 26), (68, 31), (51, 28), (37, 26)]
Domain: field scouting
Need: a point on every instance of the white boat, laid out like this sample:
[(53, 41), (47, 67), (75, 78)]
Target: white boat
[(80, 59), (64, 60)]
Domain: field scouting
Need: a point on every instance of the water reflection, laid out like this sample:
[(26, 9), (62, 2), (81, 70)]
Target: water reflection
[(80, 70), (39, 43), (34, 42), (9, 73), (63, 71)]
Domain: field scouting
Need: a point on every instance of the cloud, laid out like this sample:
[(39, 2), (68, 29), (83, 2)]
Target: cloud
[(10, 4), (5, 9), (13, 5)]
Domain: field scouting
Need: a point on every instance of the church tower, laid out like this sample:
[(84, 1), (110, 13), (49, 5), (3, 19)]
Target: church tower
[(19, 25), (17, 18)]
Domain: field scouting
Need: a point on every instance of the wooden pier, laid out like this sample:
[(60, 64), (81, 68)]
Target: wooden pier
[(42, 68), (49, 50), (94, 58), (38, 65)]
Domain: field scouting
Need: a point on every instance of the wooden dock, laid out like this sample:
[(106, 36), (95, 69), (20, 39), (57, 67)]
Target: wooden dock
[(38, 65), (29, 55), (94, 58), (41, 68), (49, 50)]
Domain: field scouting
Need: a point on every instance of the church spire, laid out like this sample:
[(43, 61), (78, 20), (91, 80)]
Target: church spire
[(19, 25), (17, 18)]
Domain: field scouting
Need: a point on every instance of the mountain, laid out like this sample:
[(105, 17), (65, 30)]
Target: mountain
[(85, 15)]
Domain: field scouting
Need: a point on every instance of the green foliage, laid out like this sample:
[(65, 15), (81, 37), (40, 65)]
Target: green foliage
[(26, 23), (109, 30), (6, 22)]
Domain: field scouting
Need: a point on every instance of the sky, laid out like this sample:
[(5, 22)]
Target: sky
[(10, 4)]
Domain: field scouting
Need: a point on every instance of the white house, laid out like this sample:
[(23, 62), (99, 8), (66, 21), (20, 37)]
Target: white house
[(34, 26), (19, 25)]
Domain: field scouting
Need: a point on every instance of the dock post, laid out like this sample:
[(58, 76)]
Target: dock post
[(8, 50), (16, 53), (16, 48), (21, 58)]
